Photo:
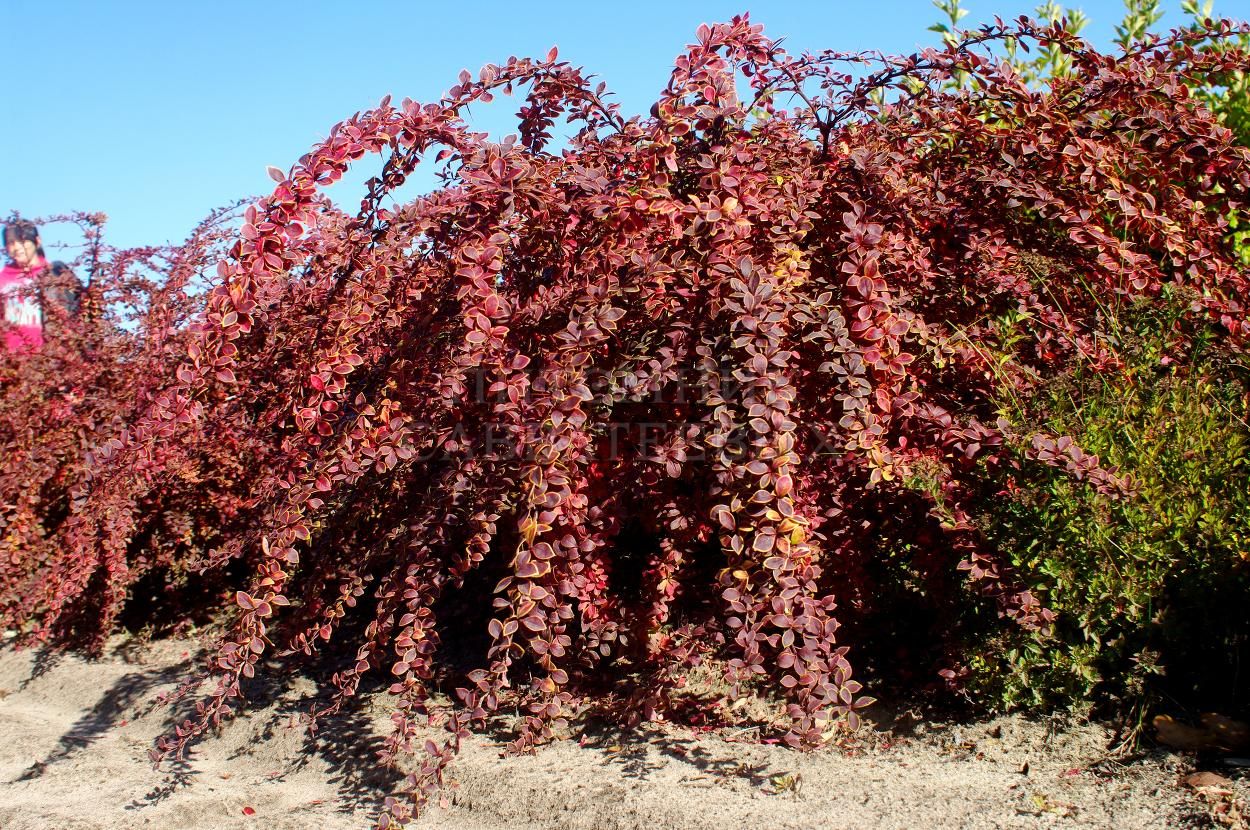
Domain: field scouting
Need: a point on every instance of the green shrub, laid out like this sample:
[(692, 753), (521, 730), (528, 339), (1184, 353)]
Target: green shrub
[(1151, 590)]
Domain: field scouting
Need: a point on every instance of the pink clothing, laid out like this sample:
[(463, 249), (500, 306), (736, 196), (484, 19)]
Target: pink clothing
[(21, 307)]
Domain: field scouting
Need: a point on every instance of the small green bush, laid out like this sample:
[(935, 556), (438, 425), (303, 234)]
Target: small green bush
[(1152, 590)]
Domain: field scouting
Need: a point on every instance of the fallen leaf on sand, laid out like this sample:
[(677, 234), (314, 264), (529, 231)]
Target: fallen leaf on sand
[(1209, 781), (1042, 803)]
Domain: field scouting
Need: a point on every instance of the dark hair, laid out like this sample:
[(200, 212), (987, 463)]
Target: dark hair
[(63, 288), (24, 231)]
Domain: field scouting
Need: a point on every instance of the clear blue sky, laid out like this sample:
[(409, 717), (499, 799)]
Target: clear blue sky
[(157, 112)]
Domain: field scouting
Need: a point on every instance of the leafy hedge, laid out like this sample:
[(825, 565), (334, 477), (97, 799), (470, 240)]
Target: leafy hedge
[(595, 414), (1147, 589), (1150, 591)]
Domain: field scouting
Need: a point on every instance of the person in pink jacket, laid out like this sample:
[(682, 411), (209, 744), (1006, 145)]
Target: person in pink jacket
[(18, 291)]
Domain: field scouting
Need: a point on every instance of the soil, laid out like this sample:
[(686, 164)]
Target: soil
[(74, 736)]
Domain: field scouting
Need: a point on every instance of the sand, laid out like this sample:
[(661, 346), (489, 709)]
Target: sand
[(74, 736)]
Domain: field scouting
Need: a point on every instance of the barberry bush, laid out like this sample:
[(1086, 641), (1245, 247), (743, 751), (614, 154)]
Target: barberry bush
[(1147, 590), (115, 321), (604, 406)]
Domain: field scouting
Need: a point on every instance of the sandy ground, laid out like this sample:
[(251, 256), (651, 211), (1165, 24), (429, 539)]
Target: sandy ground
[(74, 736)]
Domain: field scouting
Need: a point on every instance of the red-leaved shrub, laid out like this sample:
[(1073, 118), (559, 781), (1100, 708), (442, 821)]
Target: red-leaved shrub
[(66, 406), (601, 410)]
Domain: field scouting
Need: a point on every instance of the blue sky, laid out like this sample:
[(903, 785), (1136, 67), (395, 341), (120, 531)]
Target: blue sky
[(157, 112)]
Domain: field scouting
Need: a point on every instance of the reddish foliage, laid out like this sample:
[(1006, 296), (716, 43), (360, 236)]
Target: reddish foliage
[(654, 384), (63, 412)]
